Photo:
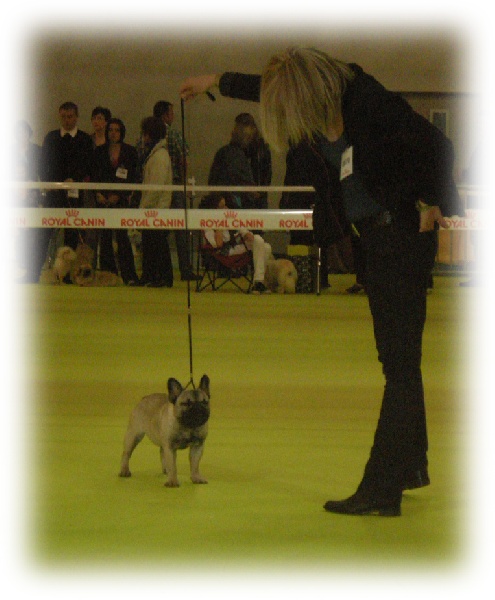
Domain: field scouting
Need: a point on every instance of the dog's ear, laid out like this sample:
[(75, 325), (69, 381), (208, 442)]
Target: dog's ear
[(174, 390), (204, 385)]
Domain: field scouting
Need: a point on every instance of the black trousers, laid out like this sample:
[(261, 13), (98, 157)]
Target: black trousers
[(157, 262), (182, 240), (399, 261), (124, 254)]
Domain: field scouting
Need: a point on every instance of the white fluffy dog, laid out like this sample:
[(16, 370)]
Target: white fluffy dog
[(62, 265), (281, 276)]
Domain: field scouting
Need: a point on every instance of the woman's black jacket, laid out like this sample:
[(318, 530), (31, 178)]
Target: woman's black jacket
[(399, 154)]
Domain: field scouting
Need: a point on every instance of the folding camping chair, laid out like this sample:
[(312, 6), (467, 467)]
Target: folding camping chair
[(217, 269)]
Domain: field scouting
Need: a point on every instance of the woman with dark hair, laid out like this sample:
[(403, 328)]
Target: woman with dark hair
[(260, 159), (99, 119), (231, 164), (115, 162), (157, 169), (377, 164)]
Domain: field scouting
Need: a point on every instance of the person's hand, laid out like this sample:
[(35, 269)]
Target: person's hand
[(112, 199), (100, 198), (193, 86), (428, 216)]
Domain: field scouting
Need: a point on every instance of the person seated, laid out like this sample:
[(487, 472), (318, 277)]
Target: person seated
[(238, 242)]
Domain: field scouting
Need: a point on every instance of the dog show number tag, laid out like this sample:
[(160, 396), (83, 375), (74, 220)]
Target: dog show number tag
[(346, 163), (121, 173)]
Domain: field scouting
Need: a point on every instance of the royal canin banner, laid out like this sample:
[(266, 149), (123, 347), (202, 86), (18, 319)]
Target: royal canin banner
[(170, 218), (140, 218)]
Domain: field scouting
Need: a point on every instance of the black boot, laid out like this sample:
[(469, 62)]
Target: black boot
[(363, 504), (416, 479)]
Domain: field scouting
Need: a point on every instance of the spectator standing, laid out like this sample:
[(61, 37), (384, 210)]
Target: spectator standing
[(99, 119), (178, 152), (157, 169), (66, 156), (26, 167), (115, 162)]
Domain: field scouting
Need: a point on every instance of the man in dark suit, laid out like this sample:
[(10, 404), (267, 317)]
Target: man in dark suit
[(66, 156)]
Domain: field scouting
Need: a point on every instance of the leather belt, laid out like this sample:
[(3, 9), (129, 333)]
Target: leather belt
[(382, 219)]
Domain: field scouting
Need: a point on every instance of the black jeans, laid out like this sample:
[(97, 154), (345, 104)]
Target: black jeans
[(124, 253), (157, 262), (399, 261)]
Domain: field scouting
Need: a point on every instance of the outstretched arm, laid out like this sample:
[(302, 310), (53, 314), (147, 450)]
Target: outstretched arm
[(230, 84), (193, 86)]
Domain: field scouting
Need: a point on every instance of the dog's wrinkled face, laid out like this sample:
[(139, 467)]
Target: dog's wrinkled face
[(84, 274), (191, 407)]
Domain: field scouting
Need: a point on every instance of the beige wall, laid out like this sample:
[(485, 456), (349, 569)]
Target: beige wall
[(128, 71)]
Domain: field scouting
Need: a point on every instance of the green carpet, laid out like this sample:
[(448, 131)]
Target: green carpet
[(296, 390)]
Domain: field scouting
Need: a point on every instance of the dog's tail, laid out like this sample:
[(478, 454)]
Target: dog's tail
[(288, 278), (290, 282)]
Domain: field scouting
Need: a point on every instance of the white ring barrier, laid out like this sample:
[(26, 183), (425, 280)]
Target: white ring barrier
[(173, 218)]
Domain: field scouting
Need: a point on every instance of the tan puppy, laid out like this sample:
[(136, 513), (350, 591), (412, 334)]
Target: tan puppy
[(83, 263), (88, 277), (173, 422), (281, 276), (62, 265)]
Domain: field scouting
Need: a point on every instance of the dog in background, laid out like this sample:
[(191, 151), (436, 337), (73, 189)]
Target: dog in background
[(173, 422), (83, 263), (83, 273), (62, 265), (88, 277), (281, 276)]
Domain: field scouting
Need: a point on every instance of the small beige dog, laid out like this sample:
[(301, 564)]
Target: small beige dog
[(88, 277), (173, 422), (83, 263), (281, 276)]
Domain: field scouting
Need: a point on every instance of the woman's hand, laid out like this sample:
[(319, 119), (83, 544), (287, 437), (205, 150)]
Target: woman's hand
[(428, 216), (112, 199), (193, 86)]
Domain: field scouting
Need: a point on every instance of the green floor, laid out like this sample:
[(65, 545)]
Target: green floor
[(296, 389)]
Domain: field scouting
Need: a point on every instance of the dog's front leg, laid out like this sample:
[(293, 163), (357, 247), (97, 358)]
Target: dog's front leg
[(169, 461), (195, 454)]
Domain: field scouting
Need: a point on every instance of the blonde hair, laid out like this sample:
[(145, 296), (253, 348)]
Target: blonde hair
[(301, 95)]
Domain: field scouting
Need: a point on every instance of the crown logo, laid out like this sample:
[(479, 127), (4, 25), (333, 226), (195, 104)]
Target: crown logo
[(72, 212), (151, 213), (230, 214)]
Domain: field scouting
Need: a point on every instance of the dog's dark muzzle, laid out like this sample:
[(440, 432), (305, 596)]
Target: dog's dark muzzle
[(195, 416)]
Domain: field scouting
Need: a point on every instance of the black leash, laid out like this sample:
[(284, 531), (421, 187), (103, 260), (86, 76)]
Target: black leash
[(190, 247)]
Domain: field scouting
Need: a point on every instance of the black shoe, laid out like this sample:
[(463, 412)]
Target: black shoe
[(259, 288), (355, 289), (158, 284), (190, 277), (416, 479), (361, 505)]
